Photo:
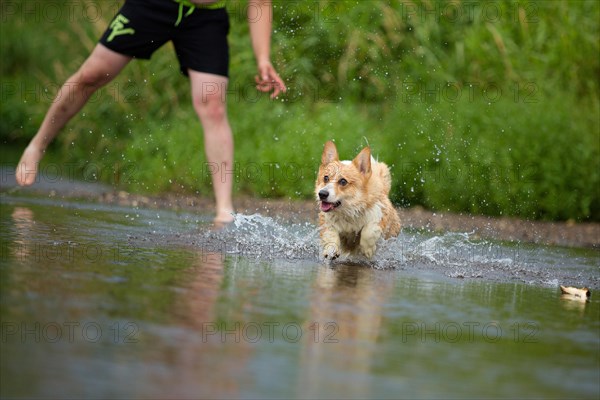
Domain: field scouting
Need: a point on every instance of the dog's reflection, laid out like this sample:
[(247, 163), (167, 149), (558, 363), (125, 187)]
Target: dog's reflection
[(344, 324)]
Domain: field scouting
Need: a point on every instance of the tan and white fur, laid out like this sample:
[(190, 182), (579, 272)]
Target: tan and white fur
[(355, 210)]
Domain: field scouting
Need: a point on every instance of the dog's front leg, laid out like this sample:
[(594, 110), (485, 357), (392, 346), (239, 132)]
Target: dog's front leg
[(369, 236), (330, 240)]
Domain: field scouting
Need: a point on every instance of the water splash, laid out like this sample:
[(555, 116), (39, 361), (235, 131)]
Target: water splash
[(455, 255), (261, 237)]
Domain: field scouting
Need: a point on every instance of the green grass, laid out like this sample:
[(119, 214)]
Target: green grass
[(481, 107)]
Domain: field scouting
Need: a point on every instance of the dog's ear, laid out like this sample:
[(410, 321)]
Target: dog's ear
[(329, 153), (363, 161)]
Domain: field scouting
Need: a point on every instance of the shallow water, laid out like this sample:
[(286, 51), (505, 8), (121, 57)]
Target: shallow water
[(102, 301)]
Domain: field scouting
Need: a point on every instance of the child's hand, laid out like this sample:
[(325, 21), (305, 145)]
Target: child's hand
[(268, 80)]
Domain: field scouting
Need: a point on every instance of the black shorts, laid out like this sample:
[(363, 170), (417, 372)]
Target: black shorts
[(200, 37)]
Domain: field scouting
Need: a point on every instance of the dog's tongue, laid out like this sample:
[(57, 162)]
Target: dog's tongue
[(325, 206)]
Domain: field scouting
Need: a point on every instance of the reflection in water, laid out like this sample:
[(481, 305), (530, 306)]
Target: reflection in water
[(149, 276), (23, 219), (573, 303), (346, 303), (24, 223), (196, 306), (196, 361)]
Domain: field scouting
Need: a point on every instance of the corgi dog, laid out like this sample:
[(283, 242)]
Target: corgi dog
[(355, 210)]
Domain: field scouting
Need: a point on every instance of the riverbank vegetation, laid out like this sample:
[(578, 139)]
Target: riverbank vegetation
[(485, 107)]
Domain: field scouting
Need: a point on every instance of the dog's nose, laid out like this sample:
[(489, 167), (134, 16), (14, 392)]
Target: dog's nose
[(323, 194)]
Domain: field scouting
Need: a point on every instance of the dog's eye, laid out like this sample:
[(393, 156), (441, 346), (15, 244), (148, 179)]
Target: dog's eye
[(343, 182), (326, 178)]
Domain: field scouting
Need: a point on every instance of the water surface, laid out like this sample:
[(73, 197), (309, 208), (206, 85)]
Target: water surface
[(110, 302)]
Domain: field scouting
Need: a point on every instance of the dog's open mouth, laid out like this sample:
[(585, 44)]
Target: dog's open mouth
[(325, 206)]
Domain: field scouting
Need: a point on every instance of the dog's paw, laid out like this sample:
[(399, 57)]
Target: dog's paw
[(369, 251), (330, 255), (331, 252), (370, 235)]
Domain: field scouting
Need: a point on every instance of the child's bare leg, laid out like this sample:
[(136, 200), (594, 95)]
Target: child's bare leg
[(99, 69), (208, 93)]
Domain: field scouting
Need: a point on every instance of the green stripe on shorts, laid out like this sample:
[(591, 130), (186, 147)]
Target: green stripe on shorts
[(210, 6)]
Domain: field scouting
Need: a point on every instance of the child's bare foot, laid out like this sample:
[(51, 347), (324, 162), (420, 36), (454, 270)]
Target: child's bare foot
[(224, 217), (27, 168)]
